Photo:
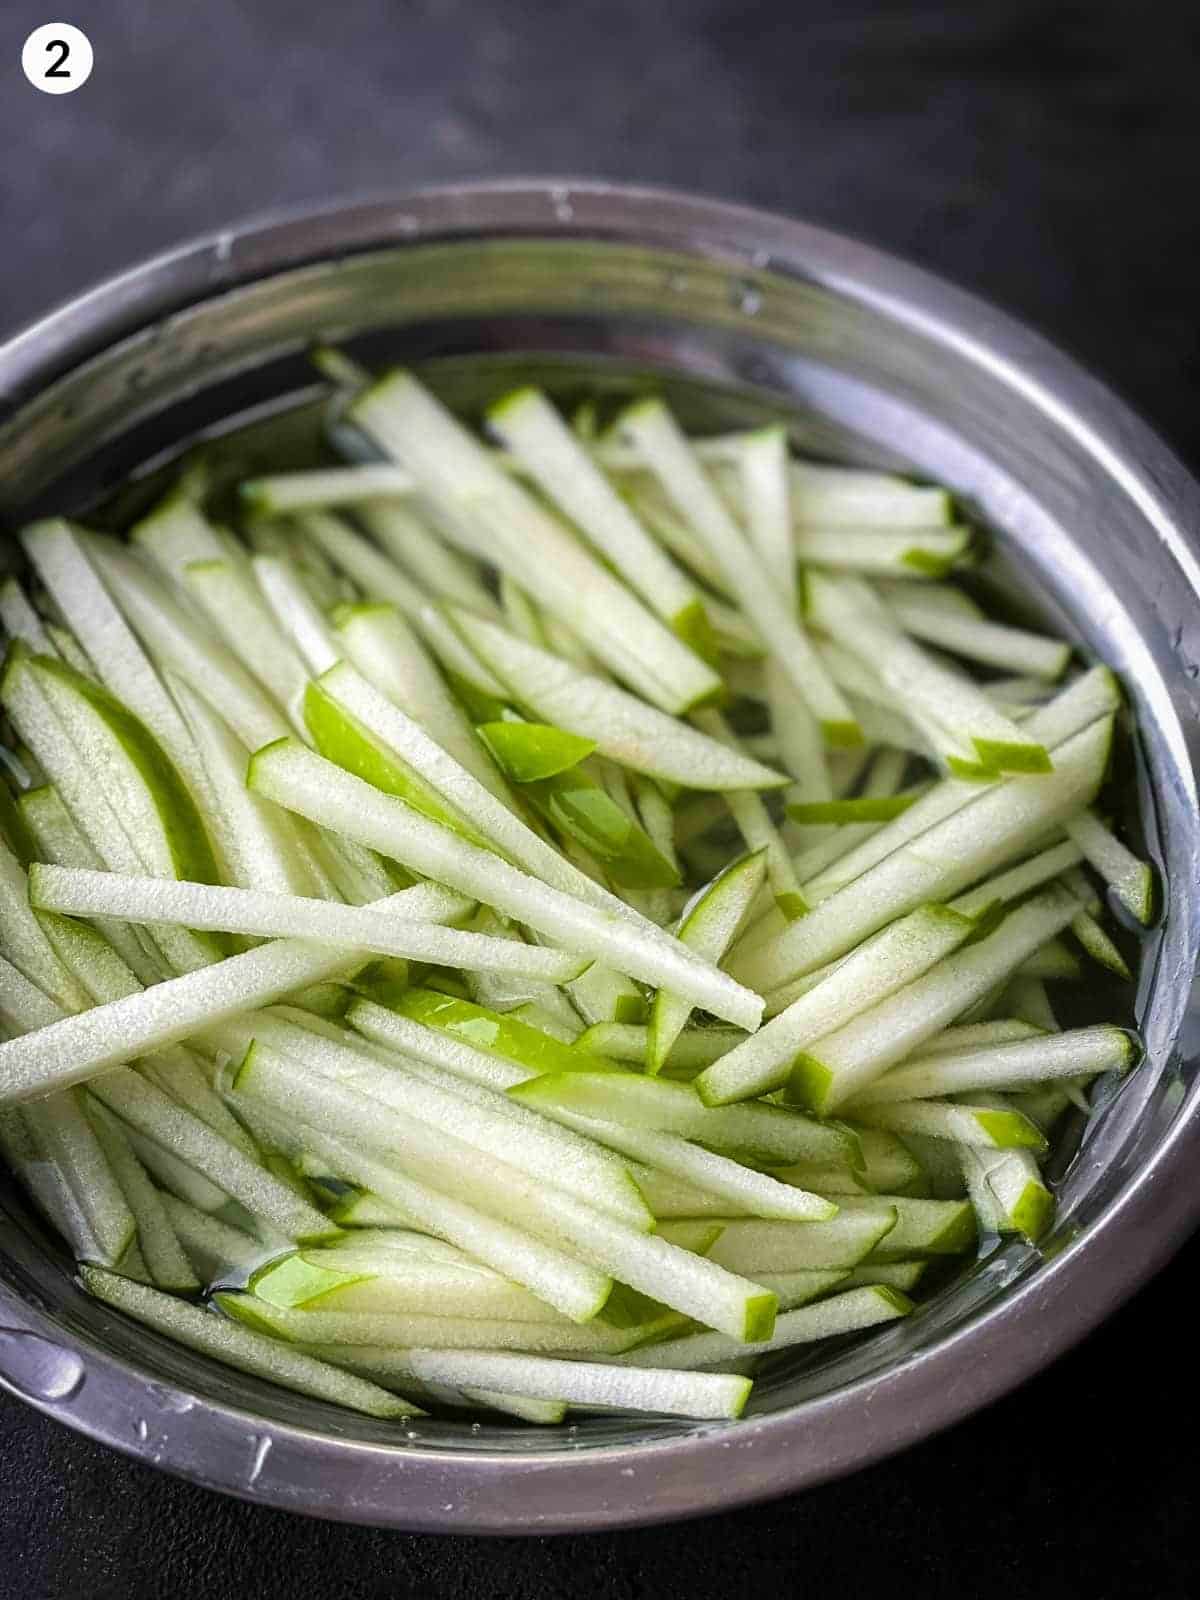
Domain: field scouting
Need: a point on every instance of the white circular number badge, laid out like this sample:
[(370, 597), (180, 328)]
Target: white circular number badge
[(57, 58)]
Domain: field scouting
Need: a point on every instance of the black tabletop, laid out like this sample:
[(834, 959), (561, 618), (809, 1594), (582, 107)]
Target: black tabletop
[(1043, 152)]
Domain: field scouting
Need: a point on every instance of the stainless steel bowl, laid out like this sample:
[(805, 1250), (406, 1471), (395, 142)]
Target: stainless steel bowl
[(737, 314)]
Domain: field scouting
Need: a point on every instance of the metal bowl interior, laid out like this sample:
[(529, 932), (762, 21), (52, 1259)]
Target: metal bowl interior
[(737, 316)]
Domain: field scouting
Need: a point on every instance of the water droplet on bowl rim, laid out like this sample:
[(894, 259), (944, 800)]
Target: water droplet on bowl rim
[(222, 253), (37, 1367), (745, 296), (262, 1449), (560, 199), (171, 1399)]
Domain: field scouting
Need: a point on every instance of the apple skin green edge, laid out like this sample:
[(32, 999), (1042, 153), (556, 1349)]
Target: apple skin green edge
[(183, 829), (811, 1083), (959, 1234), (14, 830), (294, 1281), (931, 565), (341, 738), (1012, 1130), (1033, 1213), (694, 627), (527, 751), (864, 809), (1006, 756), (499, 1033), (576, 804)]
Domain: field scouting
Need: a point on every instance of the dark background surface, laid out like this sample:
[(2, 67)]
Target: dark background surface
[(1043, 153)]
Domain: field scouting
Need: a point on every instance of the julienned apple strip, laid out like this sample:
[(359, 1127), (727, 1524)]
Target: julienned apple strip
[(305, 1327), (978, 638), (297, 614), (78, 1047), (296, 778), (960, 849), (848, 609), (687, 1394), (713, 1175), (1131, 879), (664, 448), (179, 643), (410, 535), (545, 1267), (488, 1120), (708, 926), (842, 1313), (384, 646), (623, 726), (878, 968), (285, 916), (531, 429), (240, 616), (476, 1116), (357, 726), (765, 1134), (261, 846), (381, 579), (834, 1069), (1080, 1052), (20, 621), (277, 494), (62, 563), (1091, 697), (161, 1249), (243, 1348), (143, 1106), (646, 1263), (522, 538)]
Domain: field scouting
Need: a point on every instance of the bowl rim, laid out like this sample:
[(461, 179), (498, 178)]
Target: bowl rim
[(720, 1468)]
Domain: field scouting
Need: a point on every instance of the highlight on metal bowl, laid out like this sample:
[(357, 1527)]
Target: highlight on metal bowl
[(531, 919)]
